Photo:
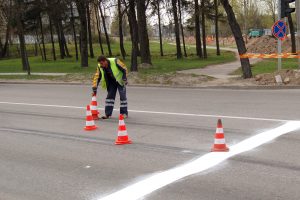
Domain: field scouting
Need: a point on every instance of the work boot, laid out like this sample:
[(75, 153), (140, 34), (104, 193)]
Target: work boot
[(105, 117)]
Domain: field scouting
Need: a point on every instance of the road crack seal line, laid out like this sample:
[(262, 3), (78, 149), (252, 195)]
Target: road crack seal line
[(207, 161)]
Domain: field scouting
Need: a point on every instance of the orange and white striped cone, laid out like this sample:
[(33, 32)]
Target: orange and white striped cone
[(122, 133), (90, 123), (220, 145), (94, 108)]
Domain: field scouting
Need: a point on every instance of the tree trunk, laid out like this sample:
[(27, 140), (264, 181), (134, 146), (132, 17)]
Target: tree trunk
[(1, 48), (90, 31), (74, 32), (159, 28), (198, 32), (203, 29), (217, 27), (143, 32), (61, 45), (99, 29), (81, 6), (181, 27), (52, 39), (38, 42), (177, 35), (134, 36), (292, 31), (7, 35), (120, 16), (42, 37), (63, 38), (105, 29), (236, 30), (20, 27), (35, 48)]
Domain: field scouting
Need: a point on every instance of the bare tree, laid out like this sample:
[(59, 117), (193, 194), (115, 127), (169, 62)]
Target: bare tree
[(203, 29), (159, 28), (104, 27), (216, 5), (89, 30), (143, 32), (19, 17), (74, 31), (82, 10), (52, 39), (292, 32), (6, 12), (177, 35), (197, 30), (237, 33), (272, 7), (120, 18), (181, 26), (42, 37), (134, 34), (98, 27)]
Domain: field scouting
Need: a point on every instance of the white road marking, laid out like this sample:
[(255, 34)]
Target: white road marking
[(186, 151), (87, 167), (155, 112), (161, 179)]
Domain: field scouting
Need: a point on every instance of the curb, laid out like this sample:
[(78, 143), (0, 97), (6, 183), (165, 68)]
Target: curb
[(234, 87)]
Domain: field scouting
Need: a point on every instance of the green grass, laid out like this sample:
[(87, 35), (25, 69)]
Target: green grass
[(171, 64), (31, 77), (270, 66), (165, 64)]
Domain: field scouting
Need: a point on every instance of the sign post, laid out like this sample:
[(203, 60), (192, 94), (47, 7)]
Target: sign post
[(279, 41), (298, 29), (279, 31)]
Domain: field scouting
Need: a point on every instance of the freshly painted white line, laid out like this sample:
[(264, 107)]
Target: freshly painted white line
[(161, 179), (41, 105), (155, 112)]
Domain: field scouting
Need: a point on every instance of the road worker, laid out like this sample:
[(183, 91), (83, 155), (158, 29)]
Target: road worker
[(112, 73)]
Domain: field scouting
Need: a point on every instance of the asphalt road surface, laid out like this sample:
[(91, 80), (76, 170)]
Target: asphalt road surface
[(45, 154)]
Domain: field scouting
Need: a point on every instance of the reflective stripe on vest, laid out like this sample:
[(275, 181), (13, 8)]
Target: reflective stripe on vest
[(117, 73)]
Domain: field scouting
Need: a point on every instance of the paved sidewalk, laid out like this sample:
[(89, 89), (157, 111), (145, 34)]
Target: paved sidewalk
[(220, 71)]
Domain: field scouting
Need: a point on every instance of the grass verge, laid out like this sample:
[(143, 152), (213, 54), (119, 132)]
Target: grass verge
[(161, 65), (270, 66)]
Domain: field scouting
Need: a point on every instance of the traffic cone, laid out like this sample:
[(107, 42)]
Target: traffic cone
[(94, 108), (90, 123), (220, 145), (122, 133)]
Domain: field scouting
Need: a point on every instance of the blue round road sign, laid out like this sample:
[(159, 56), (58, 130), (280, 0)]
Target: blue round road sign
[(279, 29)]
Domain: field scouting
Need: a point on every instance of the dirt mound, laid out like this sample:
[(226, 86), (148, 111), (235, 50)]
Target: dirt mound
[(267, 44), (288, 77)]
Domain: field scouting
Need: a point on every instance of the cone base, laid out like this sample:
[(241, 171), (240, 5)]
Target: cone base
[(90, 128), (95, 117), (123, 142), (226, 149)]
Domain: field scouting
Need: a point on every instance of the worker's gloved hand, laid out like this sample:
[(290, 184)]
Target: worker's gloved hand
[(125, 81), (94, 93)]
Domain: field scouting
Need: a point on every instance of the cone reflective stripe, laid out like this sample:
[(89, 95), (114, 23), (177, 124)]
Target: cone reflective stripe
[(90, 123), (94, 108), (220, 144), (122, 133)]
